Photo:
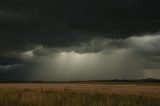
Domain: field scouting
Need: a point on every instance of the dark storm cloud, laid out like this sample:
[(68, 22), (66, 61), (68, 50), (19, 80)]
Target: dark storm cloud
[(63, 23), (14, 72), (30, 29)]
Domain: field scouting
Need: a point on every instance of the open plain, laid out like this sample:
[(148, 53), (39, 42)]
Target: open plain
[(79, 94)]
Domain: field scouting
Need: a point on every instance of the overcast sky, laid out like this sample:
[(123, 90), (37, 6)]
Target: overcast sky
[(61, 40)]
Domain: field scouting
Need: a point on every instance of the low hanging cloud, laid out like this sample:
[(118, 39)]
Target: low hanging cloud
[(131, 58)]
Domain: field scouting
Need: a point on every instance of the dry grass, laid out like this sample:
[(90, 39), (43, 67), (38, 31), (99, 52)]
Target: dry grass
[(79, 95)]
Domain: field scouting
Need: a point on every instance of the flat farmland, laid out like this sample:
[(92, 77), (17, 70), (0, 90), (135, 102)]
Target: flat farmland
[(79, 94)]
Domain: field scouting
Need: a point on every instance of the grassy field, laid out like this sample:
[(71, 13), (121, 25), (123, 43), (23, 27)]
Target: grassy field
[(72, 94)]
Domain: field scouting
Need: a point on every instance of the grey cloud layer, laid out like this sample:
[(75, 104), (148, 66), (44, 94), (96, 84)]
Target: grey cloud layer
[(98, 59), (63, 23), (41, 29), (131, 58)]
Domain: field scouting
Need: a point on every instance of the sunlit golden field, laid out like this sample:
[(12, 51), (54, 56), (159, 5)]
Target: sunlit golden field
[(79, 94)]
